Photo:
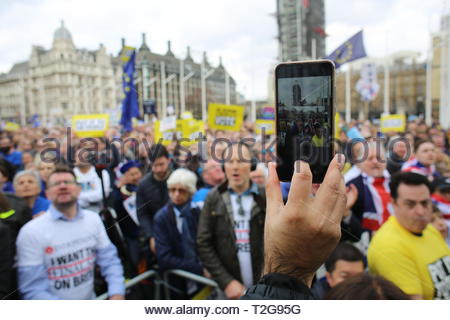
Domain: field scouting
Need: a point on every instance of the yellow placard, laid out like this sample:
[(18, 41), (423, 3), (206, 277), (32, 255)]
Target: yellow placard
[(191, 131), (90, 125), (163, 137), (225, 117), (11, 126), (268, 125), (393, 122), (337, 129), (186, 132), (187, 115)]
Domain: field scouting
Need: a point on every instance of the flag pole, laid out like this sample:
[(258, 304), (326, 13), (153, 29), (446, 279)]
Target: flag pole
[(386, 80), (348, 100), (429, 79)]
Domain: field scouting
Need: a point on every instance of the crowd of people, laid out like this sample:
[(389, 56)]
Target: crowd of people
[(74, 210)]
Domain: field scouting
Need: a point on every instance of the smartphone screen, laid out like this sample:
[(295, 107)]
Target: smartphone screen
[(304, 116)]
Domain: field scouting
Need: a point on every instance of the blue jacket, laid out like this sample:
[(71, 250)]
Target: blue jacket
[(169, 250)]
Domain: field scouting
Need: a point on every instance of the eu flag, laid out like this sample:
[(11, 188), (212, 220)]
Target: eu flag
[(130, 107), (350, 50)]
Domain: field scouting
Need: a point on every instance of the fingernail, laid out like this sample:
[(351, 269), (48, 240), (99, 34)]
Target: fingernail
[(340, 160)]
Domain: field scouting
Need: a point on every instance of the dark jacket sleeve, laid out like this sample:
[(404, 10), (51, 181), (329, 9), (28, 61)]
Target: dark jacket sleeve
[(142, 207), (205, 243), (6, 260), (165, 252), (276, 286)]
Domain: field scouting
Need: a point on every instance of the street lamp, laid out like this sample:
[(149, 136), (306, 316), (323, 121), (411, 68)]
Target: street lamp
[(164, 82), (204, 75), (183, 79)]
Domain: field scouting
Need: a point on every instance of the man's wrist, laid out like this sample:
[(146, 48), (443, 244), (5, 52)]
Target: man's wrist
[(303, 276)]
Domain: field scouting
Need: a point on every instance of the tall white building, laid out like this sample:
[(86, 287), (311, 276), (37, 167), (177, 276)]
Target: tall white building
[(59, 82)]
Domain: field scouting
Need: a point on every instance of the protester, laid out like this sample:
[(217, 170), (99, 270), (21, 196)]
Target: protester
[(44, 168), (407, 250), (28, 186), (27, 160), (57, 234), (91, 196), (124, 204), (370, 209), (345, 261), (152, 194), (398, 153), (424, 160), (7, 173), (8, 152), (175, 233), (231, 226), (441, 225), (212, 175), (441, 196)]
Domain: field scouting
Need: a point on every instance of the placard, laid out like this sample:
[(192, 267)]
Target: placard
[(225, 117), (393, 122), (268, 125), (90, 125)]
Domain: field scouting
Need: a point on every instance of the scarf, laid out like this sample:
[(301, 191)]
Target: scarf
[(417, 167), (442, 204), (377, 201)]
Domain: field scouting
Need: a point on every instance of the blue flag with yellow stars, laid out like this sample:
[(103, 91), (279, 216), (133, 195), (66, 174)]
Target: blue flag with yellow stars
[(130, 106), (350, 50)]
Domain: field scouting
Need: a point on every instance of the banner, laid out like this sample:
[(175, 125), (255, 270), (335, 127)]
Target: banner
[(367, 85), (393, 122), (90, 125), (268, 125), (225, 117)]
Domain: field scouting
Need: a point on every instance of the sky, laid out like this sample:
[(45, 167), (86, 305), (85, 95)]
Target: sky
[(242, 32)]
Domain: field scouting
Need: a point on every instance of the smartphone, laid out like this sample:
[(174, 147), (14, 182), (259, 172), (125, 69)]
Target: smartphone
[(304, 93)]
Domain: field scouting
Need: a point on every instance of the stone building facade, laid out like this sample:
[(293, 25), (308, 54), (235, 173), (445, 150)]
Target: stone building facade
[(59, 82), (153, 69)]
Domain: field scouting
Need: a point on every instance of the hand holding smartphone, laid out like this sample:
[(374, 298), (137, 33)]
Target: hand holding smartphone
[(304, 116)]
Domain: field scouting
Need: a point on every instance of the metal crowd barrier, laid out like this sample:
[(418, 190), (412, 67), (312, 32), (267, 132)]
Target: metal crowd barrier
[(189, 276), (165, 283), (132, 282)]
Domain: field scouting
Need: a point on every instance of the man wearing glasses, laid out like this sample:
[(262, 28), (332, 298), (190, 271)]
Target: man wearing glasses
[(231, 225), (58, 251)]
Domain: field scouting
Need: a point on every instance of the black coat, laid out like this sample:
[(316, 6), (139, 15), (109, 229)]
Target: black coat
[(13, 220), (6, 260), (151, 195), (276, 286)]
